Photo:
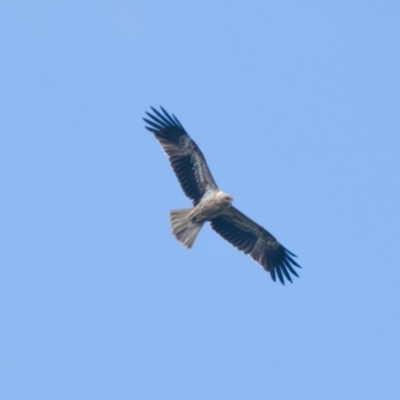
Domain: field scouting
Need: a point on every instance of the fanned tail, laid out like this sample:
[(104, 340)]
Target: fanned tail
[(183, 228)]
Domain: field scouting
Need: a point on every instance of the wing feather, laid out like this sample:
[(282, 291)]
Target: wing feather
[(253, 239), (186, 159)]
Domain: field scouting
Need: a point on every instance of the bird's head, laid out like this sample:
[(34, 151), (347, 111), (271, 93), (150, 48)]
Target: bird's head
[(226, 198)]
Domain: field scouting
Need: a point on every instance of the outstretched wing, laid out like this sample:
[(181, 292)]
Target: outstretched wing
[(185, 157), (254, 240)]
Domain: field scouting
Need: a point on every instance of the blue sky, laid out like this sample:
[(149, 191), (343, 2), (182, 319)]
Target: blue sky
[(296, 108)]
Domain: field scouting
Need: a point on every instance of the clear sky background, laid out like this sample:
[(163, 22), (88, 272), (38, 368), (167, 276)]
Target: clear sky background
[(296, 108)]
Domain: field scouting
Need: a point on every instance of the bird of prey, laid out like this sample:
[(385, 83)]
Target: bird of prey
[(211, 204)]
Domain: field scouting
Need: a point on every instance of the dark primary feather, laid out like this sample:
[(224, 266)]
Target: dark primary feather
[(185, 157), (256, 241)]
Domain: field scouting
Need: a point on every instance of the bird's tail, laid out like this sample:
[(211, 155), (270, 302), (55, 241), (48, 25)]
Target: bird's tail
[(183, 227)]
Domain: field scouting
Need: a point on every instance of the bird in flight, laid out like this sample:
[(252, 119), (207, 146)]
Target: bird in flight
[(212, 204)]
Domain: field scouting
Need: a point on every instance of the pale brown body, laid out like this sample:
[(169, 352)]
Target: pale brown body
[(211, 206), (186, 223)]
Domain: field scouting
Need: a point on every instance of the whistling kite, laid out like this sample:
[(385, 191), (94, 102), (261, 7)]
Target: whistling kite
[(211, 204)]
